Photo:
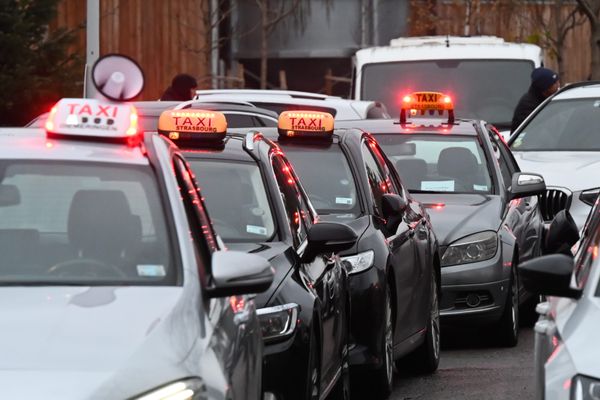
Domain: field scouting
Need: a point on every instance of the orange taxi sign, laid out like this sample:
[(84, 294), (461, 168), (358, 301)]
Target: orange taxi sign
[(426, 101), (305, 124), (93, 118), (192, 124)]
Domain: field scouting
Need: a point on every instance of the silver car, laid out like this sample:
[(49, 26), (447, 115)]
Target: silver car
[(113, 284), (561, 141), (566, 354)]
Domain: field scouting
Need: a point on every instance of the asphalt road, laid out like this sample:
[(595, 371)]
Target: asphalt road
[(473, 367)]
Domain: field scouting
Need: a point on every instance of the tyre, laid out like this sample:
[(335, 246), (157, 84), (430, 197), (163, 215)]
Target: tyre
[(426, 358), (381, 378), (313, 381), (508, 327)]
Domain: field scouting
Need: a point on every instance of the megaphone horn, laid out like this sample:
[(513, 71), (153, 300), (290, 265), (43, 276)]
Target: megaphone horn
[(118, 77)]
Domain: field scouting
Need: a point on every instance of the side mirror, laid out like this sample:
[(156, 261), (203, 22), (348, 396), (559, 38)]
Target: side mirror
[(526, 184), (549, 275), (392, 208), (328, 237), (561, 235), (236, 273)]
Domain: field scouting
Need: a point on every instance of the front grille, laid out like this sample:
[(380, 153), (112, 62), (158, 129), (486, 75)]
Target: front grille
[(553, 201)]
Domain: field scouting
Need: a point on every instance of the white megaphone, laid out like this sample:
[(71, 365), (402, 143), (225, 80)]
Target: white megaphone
[(118, 77)]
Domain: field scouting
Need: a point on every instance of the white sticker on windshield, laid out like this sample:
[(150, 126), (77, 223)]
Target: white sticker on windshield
[(438, 186), (480, 187), (257, 230), (151, 270), (343, 200)]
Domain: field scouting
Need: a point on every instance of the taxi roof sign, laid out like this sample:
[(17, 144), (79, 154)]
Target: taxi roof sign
[(314, 124), (93, 119), (192, 125), (426, 101)]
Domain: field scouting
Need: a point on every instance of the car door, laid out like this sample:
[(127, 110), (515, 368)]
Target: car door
[(235, 341), (323, 274), (402, 257)]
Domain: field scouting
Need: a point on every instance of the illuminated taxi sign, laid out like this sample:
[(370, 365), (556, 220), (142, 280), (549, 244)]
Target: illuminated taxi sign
[(315, 124), (92, 118), (192, 124), (426, 101)]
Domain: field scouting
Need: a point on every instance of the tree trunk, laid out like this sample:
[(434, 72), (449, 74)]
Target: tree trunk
[(263, 45), (595, 45)]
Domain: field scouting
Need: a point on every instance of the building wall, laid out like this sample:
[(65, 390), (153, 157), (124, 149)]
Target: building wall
[(164, 37)]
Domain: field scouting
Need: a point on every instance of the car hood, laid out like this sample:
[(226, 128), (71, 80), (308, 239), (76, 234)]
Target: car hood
[(575, 170), (454, 216), (81, 342)]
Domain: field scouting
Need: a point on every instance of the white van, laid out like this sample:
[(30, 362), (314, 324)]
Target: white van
[(484, 75)]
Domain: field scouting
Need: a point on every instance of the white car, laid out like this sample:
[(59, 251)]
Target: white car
[(566, 353), (561, 141), (282, 100)]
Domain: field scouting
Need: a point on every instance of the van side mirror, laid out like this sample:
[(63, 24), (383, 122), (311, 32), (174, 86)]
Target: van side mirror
[(549, 275), (526, 184), (392, 208), (237, 273), (328, 237)]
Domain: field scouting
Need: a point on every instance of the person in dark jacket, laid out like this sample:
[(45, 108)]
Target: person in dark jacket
[(181, 89), (544, 83)]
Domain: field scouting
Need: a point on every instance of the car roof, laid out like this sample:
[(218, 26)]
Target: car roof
[(414, 126), (232, 149), (33, 144), (155, 108), (579, 91)]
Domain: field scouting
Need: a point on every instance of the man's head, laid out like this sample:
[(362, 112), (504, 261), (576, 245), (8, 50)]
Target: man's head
[(185, 85), (544, 81)]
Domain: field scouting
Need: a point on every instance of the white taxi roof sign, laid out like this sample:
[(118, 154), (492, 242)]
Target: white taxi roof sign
[(315, 124), (426, 101), (92, 118), (192, 124)]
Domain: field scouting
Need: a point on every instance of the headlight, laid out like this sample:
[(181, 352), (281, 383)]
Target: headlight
[(584, 388), (187, 389), (478, 247), (360, 262), (589, 196), (278, 322)]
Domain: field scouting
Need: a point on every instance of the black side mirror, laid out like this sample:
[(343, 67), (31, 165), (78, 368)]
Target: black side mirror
[(236, 273), (392, 208), (526, 184), (549, 275), (561, 235), (328, 237)]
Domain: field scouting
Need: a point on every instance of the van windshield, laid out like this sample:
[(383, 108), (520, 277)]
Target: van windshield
[(481, 89)]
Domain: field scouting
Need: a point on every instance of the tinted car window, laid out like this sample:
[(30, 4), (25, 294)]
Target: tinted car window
[(236, 199), (479, 96), (564, 125), (82, 223), (326, 176), (438, 163), (375, 175)]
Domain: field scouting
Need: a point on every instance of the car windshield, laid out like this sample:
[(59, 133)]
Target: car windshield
[(438, 163), (326, 177), (475, 93), (82, 223), (562, 125), (236, 199)]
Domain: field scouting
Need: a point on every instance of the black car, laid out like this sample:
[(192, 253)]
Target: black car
[(395, 265), (257, 205), (484, 210)]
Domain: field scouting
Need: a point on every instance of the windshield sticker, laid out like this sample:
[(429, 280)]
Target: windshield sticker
[(480, 187), (151, 270), (343, 200), (438, 186), (597, 104), (257, 230)]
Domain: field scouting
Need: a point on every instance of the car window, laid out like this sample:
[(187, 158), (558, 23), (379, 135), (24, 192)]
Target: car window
[(439, 163), (236, 199), (82, 223), (236, 120), (562, 125), (376, 177)]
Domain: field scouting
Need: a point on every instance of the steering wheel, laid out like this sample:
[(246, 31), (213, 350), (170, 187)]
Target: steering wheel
[(85, 267)]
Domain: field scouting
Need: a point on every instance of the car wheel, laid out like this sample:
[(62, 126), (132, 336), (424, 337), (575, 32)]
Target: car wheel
[(382, 376), (426, 358), (509, 322), (313, 382)]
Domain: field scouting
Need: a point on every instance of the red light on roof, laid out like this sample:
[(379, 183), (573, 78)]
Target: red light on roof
[(447, 100), (435, 206), (50, 121), (407, 99)]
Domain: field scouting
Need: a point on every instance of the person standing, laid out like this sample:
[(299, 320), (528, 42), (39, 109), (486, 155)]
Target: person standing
[(181, 89), (544, 83)]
